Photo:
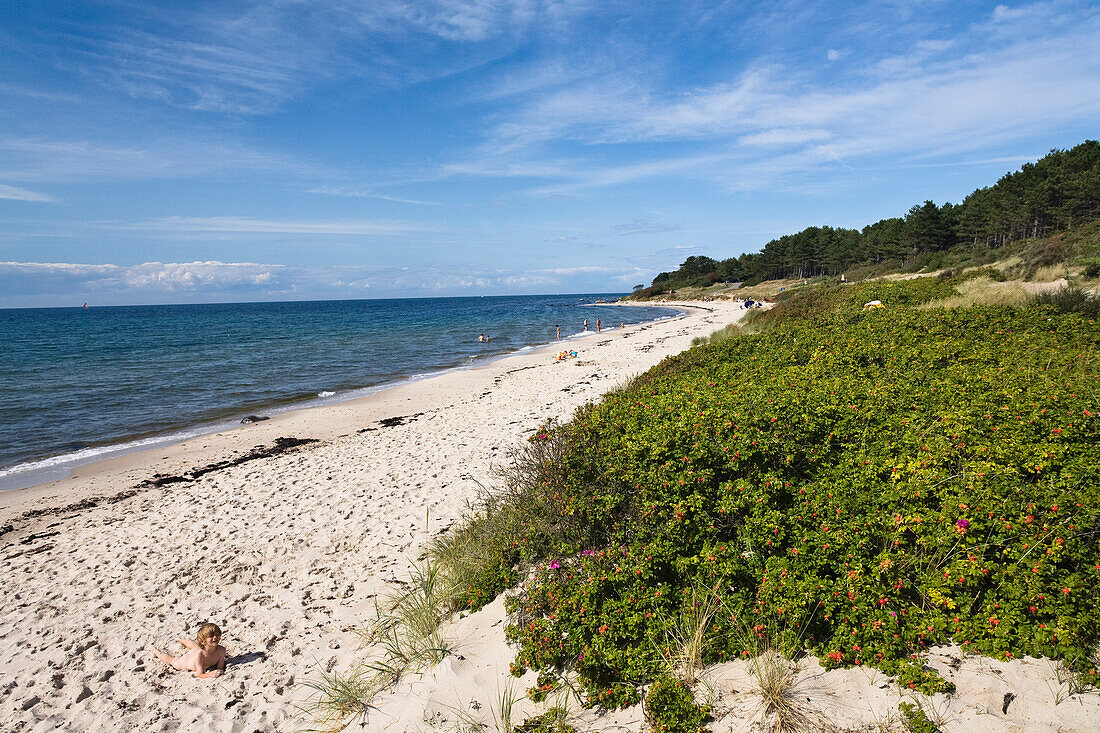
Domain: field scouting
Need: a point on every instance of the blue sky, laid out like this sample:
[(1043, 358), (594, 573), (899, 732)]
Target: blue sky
[(155, 152)]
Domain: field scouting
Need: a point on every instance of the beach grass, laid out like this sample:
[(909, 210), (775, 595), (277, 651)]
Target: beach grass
[(725, 333), (782, 710), (406, 627), (1070, 299), (337, 698), (687, 634), (983, 291), (403, 637)]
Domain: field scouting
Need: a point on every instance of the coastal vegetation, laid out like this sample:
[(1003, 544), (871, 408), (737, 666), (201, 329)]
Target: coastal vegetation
[(1057, 193), (819, 483), (860, 485)]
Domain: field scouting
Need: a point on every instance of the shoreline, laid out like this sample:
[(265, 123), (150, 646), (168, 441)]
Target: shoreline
[(51, 470), (211, 389)]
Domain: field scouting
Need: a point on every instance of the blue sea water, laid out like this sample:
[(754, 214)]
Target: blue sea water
[(79, 383)]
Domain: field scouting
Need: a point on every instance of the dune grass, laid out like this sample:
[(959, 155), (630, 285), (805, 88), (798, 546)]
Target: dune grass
[(403, 637), (725, 333), (983, 291), (406, 627), (1070, 299), (337, 698), (687, 634)]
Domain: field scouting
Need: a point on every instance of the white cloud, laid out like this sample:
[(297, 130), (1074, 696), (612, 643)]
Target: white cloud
[(940, 96), (356, 193), (565, 271), (57, 159), (247, 225), (63, 283), (193, 276), (69, 268), (645, 226), (21, 194)]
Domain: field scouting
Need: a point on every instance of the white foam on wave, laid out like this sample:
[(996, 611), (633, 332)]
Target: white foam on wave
[(41, 470), (325, 393)]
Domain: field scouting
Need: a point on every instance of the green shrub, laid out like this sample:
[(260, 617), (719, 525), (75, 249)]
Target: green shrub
[(861, 484), (915, 719), (552, 721), (670, 708)]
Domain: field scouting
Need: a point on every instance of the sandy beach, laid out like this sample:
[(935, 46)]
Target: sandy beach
[(289, 549), (285, 552)]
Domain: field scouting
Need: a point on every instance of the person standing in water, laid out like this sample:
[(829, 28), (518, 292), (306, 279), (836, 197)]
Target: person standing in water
[(599, 326), (585, 324)]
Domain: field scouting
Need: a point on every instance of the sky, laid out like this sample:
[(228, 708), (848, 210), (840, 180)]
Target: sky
[(229, 150)]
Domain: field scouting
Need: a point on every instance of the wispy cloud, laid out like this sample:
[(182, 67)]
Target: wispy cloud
[(467, 21), (941, 96), (579, 270), (21, 194), (208, 75), (18, 90), (645, 226), (357, 193), (84, 160), (252, 58), (247, 225)]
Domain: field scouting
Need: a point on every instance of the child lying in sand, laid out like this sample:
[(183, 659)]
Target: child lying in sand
[(205, 656)]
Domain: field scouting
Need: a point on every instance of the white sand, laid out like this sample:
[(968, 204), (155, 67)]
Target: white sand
[(288, 553)]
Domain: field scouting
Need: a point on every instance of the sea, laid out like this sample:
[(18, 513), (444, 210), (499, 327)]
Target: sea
[(82, 384)]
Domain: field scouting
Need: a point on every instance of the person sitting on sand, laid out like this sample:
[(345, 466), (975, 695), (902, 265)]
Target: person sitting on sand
[(205, 656)]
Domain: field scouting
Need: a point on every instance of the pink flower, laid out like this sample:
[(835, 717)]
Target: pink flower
[(554, 564)]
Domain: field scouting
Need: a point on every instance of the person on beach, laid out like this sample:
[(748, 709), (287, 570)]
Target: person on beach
[(205, 656), (585, 324), (559, 332), (599, 326)]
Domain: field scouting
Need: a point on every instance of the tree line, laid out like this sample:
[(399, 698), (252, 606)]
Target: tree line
[(1058, 191)]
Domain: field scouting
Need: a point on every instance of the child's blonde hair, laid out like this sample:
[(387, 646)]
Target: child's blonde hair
[(206, 631)]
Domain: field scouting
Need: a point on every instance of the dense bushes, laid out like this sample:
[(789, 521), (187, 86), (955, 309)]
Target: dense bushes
[(860, 484), (670, 707)]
